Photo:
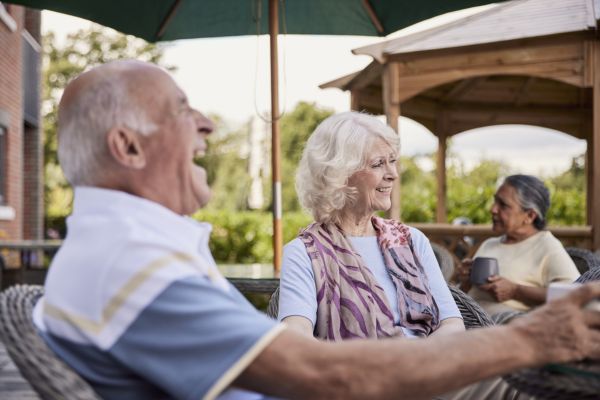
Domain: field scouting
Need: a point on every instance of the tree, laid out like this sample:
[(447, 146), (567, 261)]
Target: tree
[(226, 164), (296, 127), (63, 62)]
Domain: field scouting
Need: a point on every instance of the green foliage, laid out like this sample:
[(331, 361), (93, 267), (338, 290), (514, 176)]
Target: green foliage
[(296, 127), (246, 237), (418, 192), (470, 193), (63, 62), (227, 168), (567, 194)]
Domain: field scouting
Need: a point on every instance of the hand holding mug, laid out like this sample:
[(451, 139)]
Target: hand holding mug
[(501, 288)]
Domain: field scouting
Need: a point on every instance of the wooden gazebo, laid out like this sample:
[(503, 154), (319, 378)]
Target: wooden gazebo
[(534, 62)]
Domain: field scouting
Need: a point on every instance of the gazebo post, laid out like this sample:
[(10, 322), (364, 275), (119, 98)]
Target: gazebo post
[(391, 107), (441, 132), (594, 165)]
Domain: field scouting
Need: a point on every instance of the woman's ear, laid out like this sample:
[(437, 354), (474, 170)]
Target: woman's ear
[(531, 216), (125, 147)]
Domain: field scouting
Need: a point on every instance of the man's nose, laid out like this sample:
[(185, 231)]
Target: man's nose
[(204, 124)]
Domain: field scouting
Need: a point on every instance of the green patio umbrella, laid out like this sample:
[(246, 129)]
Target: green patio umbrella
[(163, 20)]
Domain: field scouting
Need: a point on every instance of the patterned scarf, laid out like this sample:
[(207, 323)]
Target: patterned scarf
[(351, 304)]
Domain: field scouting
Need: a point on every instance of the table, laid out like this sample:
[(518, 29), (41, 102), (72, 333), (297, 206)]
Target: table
[(559, 382), (251, 278)]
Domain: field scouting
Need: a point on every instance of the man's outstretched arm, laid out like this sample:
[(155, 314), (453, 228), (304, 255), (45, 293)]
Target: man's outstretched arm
[(294, 366)]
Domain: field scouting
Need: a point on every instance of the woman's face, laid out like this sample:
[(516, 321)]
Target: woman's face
[(374, 182), (507, 214)]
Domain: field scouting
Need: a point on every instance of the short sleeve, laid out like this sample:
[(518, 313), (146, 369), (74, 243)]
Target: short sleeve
[(194, 339), (437, 283), (297, 291), (560, 267)]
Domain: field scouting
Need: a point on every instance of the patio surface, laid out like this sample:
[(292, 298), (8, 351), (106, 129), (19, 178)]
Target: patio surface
[(12, 384)]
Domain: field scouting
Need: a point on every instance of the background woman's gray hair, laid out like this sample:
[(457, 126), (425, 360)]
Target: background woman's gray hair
[(82, 128), (336, 149), (532, 194)]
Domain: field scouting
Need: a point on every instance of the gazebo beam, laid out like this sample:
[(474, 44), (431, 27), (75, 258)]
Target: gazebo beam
[(391, 106), (441, 132), (594, 167)]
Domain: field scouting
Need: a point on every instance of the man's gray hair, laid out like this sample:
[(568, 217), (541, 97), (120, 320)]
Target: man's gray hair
[(337, 149), (532, 194), (82, 127)]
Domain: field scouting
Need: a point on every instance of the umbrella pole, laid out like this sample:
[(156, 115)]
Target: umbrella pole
[(275, 140)]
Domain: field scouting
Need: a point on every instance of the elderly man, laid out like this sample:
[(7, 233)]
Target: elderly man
[(135, 303)]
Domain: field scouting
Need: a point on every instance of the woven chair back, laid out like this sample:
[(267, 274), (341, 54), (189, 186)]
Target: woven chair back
[(445, 260), (50, 377), (584, 259)]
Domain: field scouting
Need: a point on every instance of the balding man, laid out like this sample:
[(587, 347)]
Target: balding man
[(135, 303)]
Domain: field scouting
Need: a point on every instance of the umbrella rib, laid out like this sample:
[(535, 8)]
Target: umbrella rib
[(167, 19), (376, 23)]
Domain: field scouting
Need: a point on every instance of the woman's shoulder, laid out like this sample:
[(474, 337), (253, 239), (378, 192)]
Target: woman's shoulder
[(294, 245), (546, 238), (416, 234)]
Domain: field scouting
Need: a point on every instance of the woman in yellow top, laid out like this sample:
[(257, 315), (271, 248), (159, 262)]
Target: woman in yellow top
[(529, 257)]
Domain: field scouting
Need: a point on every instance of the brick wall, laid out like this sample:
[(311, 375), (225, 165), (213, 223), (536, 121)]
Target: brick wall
[(23, 176)]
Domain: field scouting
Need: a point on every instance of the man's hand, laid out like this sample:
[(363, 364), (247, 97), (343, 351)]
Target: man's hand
[(501, 288), (563, 330)]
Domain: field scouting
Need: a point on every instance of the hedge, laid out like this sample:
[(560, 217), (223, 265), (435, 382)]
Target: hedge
[(238, 237)]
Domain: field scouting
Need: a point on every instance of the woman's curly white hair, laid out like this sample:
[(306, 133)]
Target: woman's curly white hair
[(338, 148)]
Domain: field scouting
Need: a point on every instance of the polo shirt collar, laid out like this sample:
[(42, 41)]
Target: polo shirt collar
[(94, 200)]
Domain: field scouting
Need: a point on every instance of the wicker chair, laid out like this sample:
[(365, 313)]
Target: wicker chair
[(584, 259), (473, 315), (48, 375), (591, 275), (545, 383), (445, 260)]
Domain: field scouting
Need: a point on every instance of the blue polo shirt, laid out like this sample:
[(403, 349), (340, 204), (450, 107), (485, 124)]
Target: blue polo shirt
[(135, 304)]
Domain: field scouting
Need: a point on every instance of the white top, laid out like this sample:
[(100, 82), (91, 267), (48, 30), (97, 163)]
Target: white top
[(536, 261), (135, 304), (298, 294)]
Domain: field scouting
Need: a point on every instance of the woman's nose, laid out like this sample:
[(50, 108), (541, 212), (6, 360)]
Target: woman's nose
[(392, 172), (494, 209)]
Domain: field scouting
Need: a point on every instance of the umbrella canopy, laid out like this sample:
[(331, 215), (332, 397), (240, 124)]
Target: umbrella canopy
[(156, 20), (163, 20)]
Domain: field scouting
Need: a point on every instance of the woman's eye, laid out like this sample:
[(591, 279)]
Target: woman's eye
[(377, 164)]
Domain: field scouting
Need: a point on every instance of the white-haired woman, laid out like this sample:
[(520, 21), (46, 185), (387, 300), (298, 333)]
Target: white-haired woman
[(352, 274)]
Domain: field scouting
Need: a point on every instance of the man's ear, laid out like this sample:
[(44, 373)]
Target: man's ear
[(125, 147)]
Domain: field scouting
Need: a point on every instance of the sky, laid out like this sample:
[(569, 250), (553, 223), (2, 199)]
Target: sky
[(230, 77)]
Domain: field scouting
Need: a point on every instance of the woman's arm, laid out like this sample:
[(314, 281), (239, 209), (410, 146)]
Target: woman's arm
[(297, 291), (299, 324), (449, 325), (504, 289)]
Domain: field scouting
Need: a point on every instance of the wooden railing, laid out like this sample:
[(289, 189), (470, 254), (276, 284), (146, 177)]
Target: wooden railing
[(26, 261), (464, 240)]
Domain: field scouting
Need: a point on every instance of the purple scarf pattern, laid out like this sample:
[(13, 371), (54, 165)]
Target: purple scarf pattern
[(351, 304)]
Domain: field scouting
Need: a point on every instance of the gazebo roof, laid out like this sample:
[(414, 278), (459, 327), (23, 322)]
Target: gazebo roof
[(512, 20)]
